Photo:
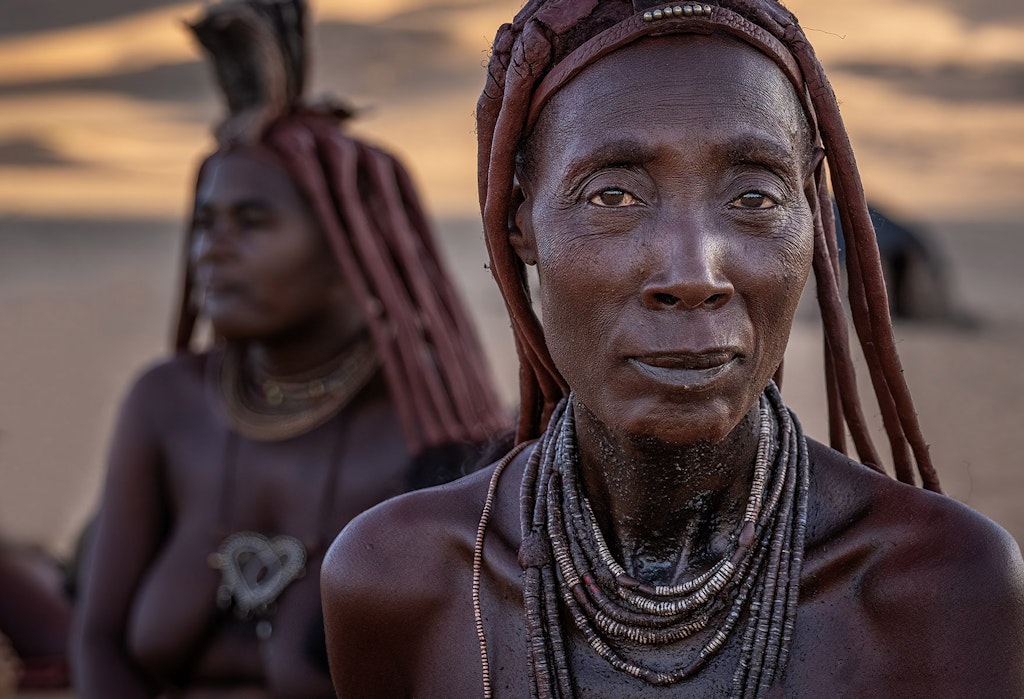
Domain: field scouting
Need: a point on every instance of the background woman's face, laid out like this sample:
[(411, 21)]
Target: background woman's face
[(666, 211), (263, 267)]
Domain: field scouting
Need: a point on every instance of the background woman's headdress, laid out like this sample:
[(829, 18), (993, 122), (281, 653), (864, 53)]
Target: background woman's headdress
[(259, 55), (370, 213)]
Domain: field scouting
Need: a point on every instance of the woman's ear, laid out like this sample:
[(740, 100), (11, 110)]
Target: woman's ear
[(520, 226), (815, 171)]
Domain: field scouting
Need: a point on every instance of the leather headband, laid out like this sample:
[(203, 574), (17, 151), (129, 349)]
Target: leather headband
[(665, 22)]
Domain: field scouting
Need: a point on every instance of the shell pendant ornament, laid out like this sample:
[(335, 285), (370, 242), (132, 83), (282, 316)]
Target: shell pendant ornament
[(255, 570)]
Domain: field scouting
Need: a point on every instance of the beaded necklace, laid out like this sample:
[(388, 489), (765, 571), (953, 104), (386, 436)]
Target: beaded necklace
[(266, 407), (255, 568), (567, 562)]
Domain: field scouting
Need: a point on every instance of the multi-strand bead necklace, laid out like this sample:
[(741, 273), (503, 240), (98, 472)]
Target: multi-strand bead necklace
[(754, 586)]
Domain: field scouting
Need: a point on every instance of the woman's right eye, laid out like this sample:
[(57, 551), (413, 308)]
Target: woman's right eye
[(252, 221), (253, 217), (613, 198)]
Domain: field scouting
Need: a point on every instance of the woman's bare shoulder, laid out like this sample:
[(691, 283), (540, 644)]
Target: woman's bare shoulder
[(855, 499), (170, 372), (388, 581), (430, 531), (160, 389), (922, 568)]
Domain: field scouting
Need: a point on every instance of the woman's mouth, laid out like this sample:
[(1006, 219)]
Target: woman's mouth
[(692, 371)]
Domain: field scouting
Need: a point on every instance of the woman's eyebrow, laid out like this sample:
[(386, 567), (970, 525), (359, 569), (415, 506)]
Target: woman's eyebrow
[(626, 151), (759, 149), (251, 204)]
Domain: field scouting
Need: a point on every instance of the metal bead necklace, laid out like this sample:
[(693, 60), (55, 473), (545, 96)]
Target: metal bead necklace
[(567, 561), (264, 407)]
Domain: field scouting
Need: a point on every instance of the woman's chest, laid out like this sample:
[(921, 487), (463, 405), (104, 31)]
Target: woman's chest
[(834, 652), (307, 487)]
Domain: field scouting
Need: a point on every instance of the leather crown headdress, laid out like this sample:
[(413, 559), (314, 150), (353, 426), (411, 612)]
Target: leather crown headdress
[(258, 52), (688, 17)]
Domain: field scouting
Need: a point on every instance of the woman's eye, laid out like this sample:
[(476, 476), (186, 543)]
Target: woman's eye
[(753, 200), (613, 198), (249, 222), (254, 220)]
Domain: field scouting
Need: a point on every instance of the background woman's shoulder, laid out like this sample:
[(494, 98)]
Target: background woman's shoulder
[(166, 378)]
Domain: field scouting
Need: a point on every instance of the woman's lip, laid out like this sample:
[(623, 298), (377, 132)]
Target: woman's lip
[(708, 359), (215, 283), (685, 370)]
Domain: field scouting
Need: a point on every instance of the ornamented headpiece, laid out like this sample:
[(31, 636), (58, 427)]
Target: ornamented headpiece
[(257, 49)]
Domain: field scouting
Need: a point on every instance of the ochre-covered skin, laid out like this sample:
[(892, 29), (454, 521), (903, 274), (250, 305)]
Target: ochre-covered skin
[(149, 613), (667, 197), (904, 594)]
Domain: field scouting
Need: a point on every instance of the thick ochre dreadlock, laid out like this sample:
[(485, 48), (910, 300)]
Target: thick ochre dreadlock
[(537, 52), (370, 212)]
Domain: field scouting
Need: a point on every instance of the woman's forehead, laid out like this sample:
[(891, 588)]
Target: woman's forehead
[(696, 83), (249, 170)]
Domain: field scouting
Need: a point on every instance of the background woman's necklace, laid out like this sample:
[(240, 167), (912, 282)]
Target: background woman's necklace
[(265, 407), (256, 568), (565, 558)]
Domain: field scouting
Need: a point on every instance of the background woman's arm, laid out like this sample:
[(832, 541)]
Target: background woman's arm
[(126, 536)]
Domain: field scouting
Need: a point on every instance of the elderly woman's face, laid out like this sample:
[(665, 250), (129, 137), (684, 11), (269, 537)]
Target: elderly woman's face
[(666, 208)]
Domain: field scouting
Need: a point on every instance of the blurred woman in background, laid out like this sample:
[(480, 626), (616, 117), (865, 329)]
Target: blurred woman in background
[(345, 372)]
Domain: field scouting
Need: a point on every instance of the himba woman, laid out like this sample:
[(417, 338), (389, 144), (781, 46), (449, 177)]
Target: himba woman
[(664, 528), (345, 372)]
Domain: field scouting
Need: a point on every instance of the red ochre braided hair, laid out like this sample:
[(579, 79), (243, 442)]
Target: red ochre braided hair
[(370, 212), (548, 43)]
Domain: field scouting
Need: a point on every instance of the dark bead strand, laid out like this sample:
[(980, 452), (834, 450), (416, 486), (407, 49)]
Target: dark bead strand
[(538, 662), (782, 602), (551, 650), (557, 642), (749, 671), (760, 621), (760, 661), (796, 558)]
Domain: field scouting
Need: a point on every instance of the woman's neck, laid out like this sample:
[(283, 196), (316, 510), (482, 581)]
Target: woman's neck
[(666, 509), (301, 350)]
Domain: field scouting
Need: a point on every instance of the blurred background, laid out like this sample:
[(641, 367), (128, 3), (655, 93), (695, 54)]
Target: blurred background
[(105, 112)]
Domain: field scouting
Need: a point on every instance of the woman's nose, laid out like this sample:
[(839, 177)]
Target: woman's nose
[(686, 273), (212, 242)]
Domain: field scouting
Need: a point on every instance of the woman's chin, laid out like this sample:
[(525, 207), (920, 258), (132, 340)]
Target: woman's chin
[(673, 424)]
